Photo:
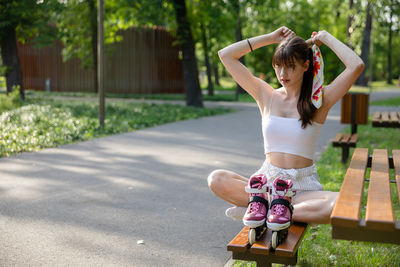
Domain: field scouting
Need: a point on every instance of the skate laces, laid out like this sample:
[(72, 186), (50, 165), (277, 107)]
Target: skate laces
[(255, 206), (279, 209)]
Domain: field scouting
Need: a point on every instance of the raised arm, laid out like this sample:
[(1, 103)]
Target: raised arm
[(256, 87), (354, 67)]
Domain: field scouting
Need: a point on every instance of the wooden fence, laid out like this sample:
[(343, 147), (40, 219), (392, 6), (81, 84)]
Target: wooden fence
[(144, 62)]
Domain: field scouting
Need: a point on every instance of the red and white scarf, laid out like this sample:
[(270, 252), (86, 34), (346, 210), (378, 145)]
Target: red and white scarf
[(318, 79)]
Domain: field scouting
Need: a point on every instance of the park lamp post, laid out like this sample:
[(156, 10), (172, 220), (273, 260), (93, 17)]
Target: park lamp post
[(100, 59)]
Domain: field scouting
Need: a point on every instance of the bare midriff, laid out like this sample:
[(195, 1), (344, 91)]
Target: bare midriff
[(288, 161)]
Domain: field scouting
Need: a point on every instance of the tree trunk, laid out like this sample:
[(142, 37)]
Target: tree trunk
[(365, 46), (350, 19), (207, 60), (93, 27), (9, 55), (389, 78), (216, 74), (190, 70), (239, 37)]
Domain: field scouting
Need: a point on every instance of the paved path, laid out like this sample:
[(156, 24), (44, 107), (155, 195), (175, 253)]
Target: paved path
[(88, 204)]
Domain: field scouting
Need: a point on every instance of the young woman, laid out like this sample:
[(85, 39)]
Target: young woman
[(291, 125)]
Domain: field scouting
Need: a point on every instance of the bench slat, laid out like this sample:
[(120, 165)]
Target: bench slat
[(263, 245), (385, 116), (289, 247), (337, 138), (376, 117), (396, 161), (347, 209), (353, 139), (240, 242), (393, 117), (379, 212), (385, 119), (346, 138)]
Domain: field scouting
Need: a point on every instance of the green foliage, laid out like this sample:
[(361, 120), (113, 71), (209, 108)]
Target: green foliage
[(31, 19), (10, 101), (46, 123), (32, 127)]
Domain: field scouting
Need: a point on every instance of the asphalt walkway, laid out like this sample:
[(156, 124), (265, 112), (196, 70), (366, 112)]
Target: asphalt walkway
[(134, 199)]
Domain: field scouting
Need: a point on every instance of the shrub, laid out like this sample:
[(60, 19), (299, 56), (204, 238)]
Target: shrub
[(10, 101)]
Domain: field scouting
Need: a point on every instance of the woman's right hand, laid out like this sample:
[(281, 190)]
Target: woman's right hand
[(317, 37), (282, 33)]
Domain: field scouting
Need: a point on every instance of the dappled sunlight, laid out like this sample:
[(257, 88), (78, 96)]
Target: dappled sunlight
[(129, 182), (98, 198), (25, 188)]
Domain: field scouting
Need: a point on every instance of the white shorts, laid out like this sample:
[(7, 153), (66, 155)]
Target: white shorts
[(304, 179)]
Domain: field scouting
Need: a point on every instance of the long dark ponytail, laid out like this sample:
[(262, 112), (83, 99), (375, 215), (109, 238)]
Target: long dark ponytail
[(286, 52)]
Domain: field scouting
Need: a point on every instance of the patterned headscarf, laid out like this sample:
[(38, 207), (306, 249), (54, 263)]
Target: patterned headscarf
[(318, 80)]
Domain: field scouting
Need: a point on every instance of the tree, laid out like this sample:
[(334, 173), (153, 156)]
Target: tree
[(26, 20), (190, 70), (238, 37), (389, 19), (366, 44), (350, 20), (207, 59)]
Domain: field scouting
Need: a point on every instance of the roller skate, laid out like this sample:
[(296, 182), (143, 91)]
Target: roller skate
[(258, 207), (279, 216)]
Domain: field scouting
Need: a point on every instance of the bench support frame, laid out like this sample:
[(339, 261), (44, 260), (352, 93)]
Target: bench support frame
[(262, 260)]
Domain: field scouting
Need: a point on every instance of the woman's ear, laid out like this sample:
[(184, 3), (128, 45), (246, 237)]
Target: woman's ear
[(306, 65)]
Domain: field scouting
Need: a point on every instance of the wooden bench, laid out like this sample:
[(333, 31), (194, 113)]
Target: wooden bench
[(261, 252), (345, 141), (354, 111), (379, 224), (386, 119)]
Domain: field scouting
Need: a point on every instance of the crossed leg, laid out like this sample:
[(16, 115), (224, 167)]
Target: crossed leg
[(310, 207)]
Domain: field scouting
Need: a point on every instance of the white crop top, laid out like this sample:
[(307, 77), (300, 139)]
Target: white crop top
[(286, 135)]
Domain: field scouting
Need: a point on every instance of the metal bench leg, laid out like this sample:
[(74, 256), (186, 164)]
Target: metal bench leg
[(345, 153), (263, 263)]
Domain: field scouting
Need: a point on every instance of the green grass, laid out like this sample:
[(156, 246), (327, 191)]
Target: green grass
[(44, 122), (384, 84), (318, 248), (395, 101)]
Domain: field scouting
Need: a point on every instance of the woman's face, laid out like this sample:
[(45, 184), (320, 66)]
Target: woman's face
[(291, 75)]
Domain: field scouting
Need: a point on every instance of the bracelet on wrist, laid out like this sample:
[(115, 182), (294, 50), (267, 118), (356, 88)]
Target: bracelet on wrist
[(251, 48)]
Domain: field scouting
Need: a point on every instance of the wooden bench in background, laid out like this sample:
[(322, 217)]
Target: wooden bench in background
[(345, 141), (386, 119), (379, 224), (354, 111), (261, 252)]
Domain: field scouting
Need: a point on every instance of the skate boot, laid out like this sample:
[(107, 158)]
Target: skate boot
[(279, 216), (258, 207)]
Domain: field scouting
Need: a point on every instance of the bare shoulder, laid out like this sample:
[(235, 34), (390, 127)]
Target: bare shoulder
[(264, 98)]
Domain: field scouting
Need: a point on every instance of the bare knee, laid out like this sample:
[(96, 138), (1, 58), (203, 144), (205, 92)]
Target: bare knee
[(315, 207), (328, 202), (216, 180)]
